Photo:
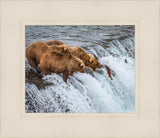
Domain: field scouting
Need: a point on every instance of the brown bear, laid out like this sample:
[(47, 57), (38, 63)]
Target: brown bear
[(37, 49), (57, 62), (88, 59), (54, 42)]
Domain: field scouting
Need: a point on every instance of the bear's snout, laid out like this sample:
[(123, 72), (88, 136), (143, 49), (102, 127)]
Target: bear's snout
[(99, 65)]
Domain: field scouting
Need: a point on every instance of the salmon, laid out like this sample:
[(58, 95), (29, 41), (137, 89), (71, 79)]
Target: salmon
[(109, 72)]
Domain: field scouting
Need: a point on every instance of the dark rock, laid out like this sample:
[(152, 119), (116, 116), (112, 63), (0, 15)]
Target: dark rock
[(33, 77), (67, 110), (126, 61)]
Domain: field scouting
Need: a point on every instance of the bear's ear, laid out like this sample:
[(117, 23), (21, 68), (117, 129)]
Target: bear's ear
[(65, 49), (90, 55), (91, 60), (81, 65)]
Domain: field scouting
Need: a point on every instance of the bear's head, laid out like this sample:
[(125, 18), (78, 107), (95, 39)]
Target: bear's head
[(92, 62), (77, 65)]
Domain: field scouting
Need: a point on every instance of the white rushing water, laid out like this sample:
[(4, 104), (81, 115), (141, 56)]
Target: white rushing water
[(91, 91)]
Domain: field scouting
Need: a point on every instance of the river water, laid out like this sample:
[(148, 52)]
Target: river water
[(90, 92)]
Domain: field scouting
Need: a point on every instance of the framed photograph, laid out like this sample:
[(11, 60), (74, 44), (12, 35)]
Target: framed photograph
[(91, 66)]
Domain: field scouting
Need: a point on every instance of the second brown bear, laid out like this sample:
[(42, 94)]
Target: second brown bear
[(57, 62)]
